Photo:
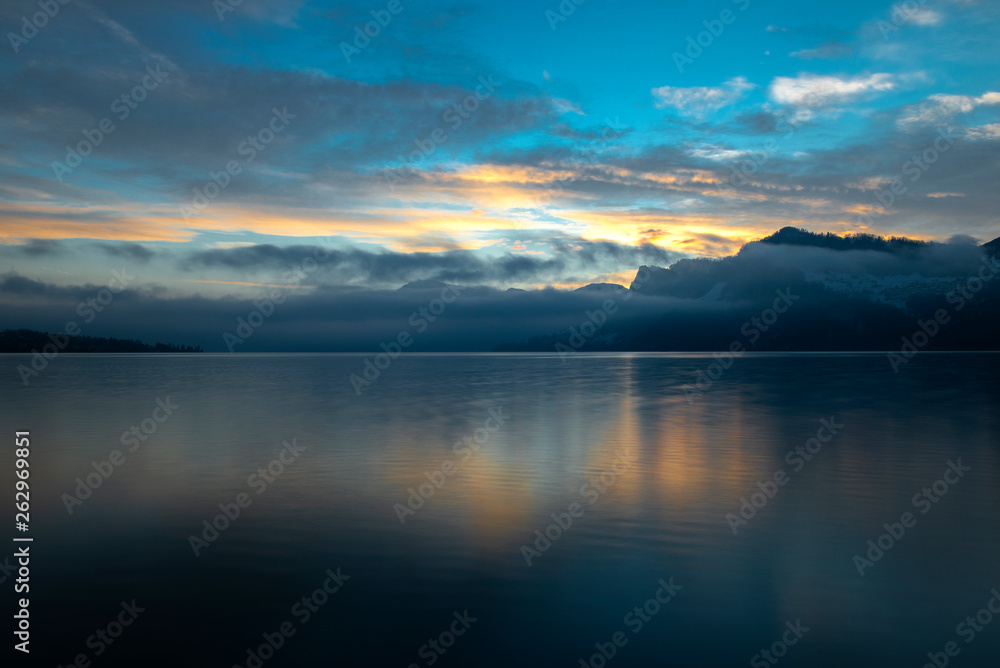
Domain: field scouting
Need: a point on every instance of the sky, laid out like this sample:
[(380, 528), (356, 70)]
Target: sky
[(206, 147)]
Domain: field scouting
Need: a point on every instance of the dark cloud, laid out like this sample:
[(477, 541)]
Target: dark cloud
[(354, 121), (327, 319), (693, 303), (39, 247), (571, 259), (130, 251), (347, 119), (21, 286), (757, 122)]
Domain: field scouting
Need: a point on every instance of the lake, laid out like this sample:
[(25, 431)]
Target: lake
[(509, 510)]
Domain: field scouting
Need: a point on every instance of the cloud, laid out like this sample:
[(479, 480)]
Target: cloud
[(326, 319), (125, 35), (923, 17), (563, 106), (984, 132), (565, 259), (331, 318), (816, 90), (701, 100), (130, 251), (756, 122), (526, 154), (940, 109), (718, 154), (827, 50)]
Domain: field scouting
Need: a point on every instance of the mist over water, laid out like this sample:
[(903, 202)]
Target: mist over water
[(427, 490)]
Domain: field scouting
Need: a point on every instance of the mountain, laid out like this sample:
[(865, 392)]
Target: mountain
[(424, 285), (992, 249), (859, 292), (793, 236), (601, 287), (889, 271)]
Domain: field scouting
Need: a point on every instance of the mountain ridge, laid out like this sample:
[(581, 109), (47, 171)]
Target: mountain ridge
[(859, 292), (794, 236)]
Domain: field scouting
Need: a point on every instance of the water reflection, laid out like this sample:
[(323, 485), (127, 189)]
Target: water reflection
[(568, 422)]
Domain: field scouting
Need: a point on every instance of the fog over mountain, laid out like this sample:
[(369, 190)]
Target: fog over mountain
[(859, 292), (833, 293)]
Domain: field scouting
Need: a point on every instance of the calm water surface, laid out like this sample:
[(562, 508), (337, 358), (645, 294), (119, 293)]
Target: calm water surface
[(682, 467)]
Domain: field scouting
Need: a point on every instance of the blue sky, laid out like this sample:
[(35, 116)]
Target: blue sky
[(592, 148)]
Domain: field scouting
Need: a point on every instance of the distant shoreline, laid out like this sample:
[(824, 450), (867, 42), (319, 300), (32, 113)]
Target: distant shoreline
[(28, 341)]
